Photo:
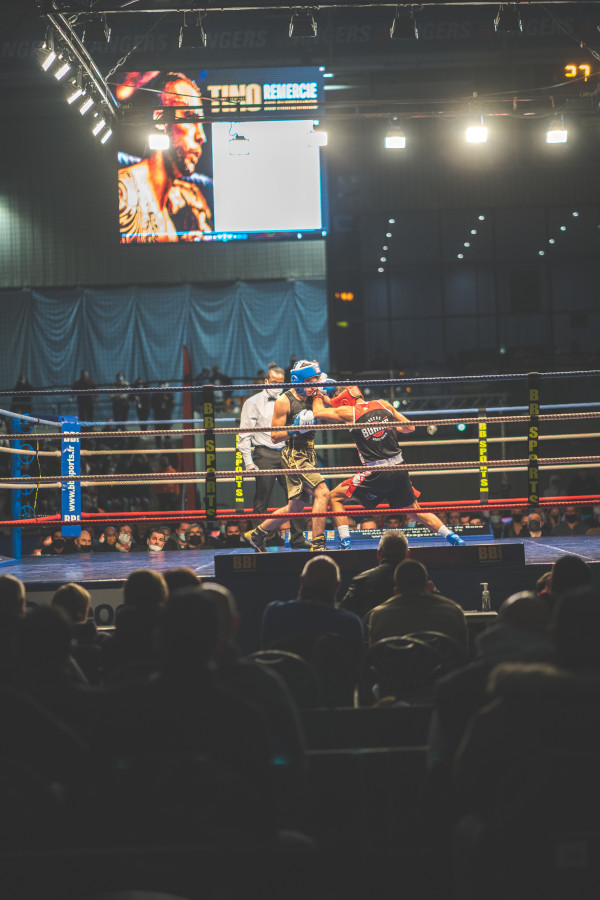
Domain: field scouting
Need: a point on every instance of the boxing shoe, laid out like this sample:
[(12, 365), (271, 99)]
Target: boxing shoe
[(301, 545), (319, 544), (455, 540), (258, 539), (345, 544)]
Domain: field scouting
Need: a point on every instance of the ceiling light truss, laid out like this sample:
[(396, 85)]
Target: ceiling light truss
[(79, 55)]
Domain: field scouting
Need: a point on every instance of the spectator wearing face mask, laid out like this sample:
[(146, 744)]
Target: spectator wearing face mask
[(233, 534), (181, 535), (571, 525), (125, 542), (156, 540), (535, 525), (83, 543), (195, 538), (57, 545), (107, 540)]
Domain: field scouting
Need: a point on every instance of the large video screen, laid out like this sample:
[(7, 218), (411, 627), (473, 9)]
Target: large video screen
[(243, 160)]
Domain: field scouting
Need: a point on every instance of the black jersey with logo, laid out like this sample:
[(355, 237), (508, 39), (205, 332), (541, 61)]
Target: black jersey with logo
[(374, 442)]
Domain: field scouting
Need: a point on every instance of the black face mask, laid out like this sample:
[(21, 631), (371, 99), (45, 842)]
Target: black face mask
[(58, 543), (534, 525), (194, 540), (83, 549), (233, 540), (571, 518)]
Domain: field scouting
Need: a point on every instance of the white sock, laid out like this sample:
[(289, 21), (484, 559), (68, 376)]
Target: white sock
[(344, 531), (444, 531)]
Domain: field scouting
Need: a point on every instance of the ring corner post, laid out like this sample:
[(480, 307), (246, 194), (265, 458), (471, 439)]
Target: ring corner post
[(15, 500), (533, 435), (70, 469), (210, 456)]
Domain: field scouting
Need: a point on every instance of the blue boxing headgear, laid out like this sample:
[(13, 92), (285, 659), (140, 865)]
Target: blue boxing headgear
[(302, 370), (328, 385)]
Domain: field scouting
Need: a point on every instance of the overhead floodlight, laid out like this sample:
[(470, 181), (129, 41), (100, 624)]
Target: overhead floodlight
[(476, 133), (45, 51), (75, 94), (62, 70), (557, 133), (96, 30), (106, 136), (98, 127), (192, 35), (508, 19), (158, 140), (404, 26), (86, 105), (395, 139), (303, 24), (239, 145)]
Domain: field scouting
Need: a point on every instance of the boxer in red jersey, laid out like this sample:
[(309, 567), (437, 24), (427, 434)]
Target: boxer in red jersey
[(376, 437)]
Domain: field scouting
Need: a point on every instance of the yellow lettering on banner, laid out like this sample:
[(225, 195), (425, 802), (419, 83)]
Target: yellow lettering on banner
[(237, 562), (534, 409), (489, 554), (208, 409), (533, 457), (210, 446), (534, 394), (249, 562)]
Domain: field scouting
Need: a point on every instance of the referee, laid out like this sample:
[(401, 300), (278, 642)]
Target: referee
[(259, 452)]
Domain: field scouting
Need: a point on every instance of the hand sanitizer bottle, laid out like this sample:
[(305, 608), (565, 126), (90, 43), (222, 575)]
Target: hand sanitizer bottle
[(486, 604)]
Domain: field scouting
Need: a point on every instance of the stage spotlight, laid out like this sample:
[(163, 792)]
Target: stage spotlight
[(74, 88), (395, 139), (96, 30), (303, 24), (106, 136), (98, 127), (158, 140), (557, 133), (46, 56), (404, 26), (508, 19), (476, 133), (192, 35), (63, 69), (86, 105)]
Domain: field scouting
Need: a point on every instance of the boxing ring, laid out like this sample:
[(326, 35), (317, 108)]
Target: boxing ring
[(506, 564)]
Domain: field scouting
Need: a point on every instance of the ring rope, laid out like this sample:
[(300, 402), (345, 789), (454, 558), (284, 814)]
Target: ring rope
[(191, 477), (352, 509), (334, 427), (192, 388)]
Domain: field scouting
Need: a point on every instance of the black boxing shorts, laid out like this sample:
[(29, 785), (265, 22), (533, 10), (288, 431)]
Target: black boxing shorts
[(374, 486)]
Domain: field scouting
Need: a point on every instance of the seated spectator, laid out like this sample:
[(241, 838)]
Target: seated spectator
[(233, 535), (47, 671), (56, 544), (477, 520), (12, 608), (535, 524), (571, 525), (375, 586), (107, 540), (554, 517), (542, 585), (569, 573), (86, 646), (195, 537), (314, 609), (415, 608), (394, 522), (182, 577), (125, 542), (155, 541), (555, 487), (74, 600), (133, 651), (517, 527), (520, 634), (368, 525), (536, 712), (83, 543), (204, 750), (582, 484), (181, 535)]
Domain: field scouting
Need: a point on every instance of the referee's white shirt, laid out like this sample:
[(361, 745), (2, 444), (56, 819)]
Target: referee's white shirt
[(257, 412)]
